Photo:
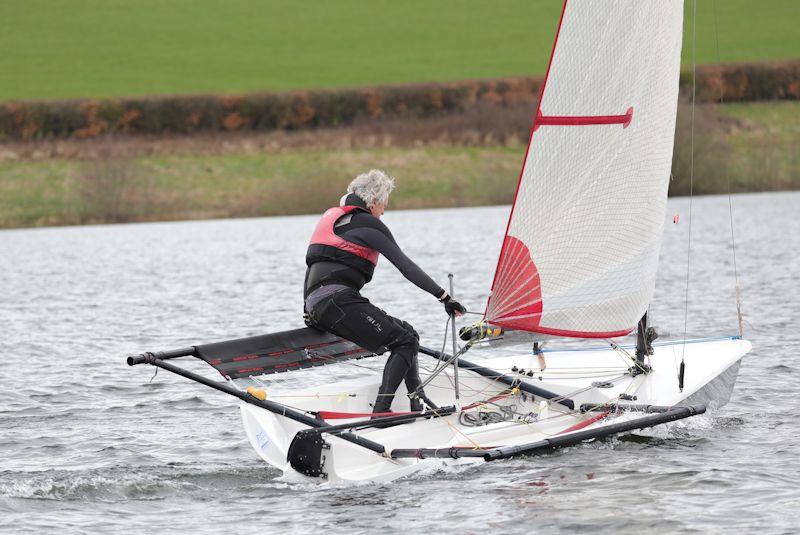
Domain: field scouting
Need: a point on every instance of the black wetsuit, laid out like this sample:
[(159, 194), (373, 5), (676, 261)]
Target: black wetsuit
[(334, 303)]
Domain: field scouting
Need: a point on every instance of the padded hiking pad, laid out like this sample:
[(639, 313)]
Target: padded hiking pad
[(279, 352)]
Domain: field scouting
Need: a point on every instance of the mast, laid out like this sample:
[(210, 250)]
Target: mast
[(645, 335)]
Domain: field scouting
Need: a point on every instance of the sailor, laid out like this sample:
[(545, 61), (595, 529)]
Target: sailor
[(341, 259)]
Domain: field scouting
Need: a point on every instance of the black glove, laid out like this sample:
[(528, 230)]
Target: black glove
[(451, 306), (309, 322)]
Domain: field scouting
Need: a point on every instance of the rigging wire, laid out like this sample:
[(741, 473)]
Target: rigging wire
[(441, 365), (691, 196), (730, 201)]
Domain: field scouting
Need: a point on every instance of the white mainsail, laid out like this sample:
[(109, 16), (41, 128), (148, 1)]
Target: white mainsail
[(581, 248)]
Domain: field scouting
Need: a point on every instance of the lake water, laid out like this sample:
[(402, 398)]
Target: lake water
[(88, 444)]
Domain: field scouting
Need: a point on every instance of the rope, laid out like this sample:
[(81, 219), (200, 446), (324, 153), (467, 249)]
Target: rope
[(441, 365), (639, 379), (691, 192), (460, 432), (623, 354)]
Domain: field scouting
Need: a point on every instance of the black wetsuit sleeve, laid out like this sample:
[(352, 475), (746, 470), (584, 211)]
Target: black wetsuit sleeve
[(371, 232)]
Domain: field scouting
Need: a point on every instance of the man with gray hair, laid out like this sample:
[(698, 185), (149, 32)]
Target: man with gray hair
[(341, 259)]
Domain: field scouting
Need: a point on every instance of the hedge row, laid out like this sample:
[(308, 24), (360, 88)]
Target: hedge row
[(746, 82), (330, 108), (256, 111)]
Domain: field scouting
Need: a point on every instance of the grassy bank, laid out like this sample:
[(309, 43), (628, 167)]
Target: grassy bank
[(766, 146), (231, 185), (453, 163), (95, 48)]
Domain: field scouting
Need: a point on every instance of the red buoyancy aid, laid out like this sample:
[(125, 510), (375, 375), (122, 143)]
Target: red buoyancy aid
[(325, 235)]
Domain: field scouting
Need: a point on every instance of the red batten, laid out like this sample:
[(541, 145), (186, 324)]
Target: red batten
[(582, 120)]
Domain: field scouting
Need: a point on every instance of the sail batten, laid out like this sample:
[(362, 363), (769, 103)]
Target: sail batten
[(582, 242)]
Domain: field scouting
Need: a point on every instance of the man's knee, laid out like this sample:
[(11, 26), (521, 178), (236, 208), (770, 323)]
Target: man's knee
[(407, 326), (405, 338), (413, 344)]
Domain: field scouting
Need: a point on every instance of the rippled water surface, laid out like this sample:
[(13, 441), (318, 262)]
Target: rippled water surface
[(90, 445)]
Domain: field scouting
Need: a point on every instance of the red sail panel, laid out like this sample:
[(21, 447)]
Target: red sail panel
[(518, 291)]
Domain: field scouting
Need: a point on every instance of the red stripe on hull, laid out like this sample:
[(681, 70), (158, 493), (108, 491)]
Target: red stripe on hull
[(585, 423), (334, 415)]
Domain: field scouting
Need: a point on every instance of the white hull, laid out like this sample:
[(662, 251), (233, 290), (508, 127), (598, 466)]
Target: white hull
[(711, 370)]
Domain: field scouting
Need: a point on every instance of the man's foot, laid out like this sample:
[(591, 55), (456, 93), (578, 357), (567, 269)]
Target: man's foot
[(383, 404), (428, 402), (417, 399)]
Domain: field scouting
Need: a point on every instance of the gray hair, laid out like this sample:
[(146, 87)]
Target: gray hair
[(373, 187)]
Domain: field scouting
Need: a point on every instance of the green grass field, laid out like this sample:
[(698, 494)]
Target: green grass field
[(53, 49)]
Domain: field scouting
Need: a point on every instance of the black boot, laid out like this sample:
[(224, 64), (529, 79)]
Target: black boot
[(393, 374), (401, 364), (417, 400), (382, 404), (428, 402), (416, 404), (414, 386)]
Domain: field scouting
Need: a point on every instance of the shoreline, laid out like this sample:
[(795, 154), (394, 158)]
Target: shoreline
[(389, 211)]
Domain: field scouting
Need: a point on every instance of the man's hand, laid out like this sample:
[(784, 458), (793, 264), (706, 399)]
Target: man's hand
[(307, 320), (451, 306)]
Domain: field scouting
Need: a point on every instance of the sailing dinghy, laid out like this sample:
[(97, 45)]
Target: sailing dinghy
[(578, 260)]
